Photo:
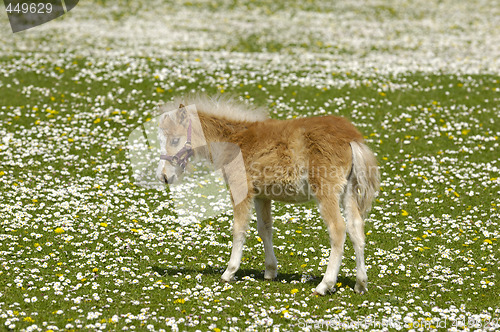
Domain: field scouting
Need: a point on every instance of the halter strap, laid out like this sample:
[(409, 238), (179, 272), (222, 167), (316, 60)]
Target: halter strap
[(182, 156)]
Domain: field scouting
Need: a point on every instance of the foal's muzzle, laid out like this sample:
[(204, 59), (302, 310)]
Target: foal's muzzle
[(169, 180)]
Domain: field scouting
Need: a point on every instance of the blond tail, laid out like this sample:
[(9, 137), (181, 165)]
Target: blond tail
[(364, 180)]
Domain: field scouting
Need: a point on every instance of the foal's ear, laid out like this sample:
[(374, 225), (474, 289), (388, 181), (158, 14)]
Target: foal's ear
[(182, 115)]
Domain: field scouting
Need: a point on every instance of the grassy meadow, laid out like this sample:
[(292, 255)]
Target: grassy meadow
[(82, 247)]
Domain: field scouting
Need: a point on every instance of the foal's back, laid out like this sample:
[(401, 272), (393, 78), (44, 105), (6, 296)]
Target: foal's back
[(286, 156), (320, 132)]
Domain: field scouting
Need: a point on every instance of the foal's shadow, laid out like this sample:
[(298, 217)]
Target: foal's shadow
[(254, 273)]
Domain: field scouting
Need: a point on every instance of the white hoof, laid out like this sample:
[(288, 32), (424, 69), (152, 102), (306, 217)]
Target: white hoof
[(227, 276), (270, 275), (360, 288), (321, 289)]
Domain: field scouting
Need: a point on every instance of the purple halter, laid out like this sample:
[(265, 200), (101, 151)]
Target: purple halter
[(182, 156)]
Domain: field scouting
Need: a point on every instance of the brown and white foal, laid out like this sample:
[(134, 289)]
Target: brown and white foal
[(320, 158)]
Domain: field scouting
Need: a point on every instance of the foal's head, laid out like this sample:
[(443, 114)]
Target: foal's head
[(175, 132)]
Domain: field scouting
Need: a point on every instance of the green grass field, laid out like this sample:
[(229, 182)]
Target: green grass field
[(84, 248)]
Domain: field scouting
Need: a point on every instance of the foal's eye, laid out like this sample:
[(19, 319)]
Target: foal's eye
[(174, 141)]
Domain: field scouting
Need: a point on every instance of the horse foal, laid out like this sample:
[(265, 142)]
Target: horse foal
[(319, 158)]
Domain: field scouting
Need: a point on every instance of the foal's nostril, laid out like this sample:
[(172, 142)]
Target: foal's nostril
[(169, 180)]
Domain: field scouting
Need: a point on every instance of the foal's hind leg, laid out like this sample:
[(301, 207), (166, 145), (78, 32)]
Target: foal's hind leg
[(330, 211), (240, 226), (355, 228), (265, 228)]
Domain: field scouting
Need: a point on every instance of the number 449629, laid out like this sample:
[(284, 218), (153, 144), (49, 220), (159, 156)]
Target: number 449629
[(32, 8)]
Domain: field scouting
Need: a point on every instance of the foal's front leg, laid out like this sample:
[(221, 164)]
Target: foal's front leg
[(265, 228), (330, 211), (240, 226)]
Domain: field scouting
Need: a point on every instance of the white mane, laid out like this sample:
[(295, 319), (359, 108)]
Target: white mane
[(220, 106)]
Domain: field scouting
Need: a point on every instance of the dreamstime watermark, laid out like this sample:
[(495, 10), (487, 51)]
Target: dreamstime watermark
[(397, 323), (207, 178), (26, 14)]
